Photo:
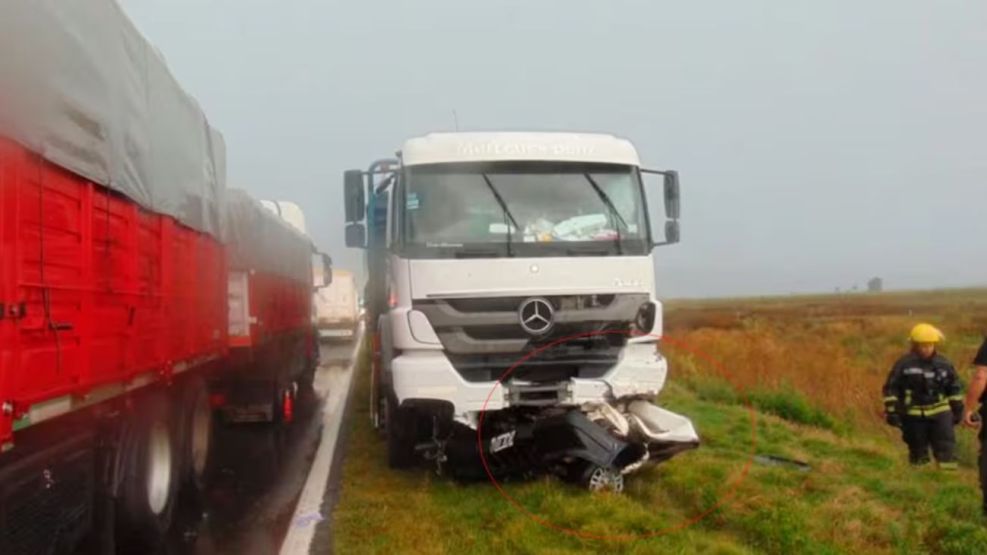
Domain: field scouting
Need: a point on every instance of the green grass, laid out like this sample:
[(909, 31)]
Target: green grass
[(860, 495), (785, 402)]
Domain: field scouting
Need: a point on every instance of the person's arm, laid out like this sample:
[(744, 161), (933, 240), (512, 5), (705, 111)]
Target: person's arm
[(954, 392), (892, 396), (977, 386)]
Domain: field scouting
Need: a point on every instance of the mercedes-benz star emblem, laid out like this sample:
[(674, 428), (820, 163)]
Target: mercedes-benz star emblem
[(537, 316)]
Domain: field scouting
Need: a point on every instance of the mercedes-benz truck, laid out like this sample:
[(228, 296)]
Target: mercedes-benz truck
[(512, 294)]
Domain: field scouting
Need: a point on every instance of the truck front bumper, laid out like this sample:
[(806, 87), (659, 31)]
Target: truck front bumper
[(428, 375)]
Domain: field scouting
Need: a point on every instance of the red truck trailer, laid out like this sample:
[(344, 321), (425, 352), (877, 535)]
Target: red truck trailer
[(137, 295), (273, 347)]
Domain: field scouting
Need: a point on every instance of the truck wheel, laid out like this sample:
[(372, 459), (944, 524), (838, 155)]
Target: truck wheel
[(378, 403), (150, 472), (196, 451), (379, 390), (306, 396), (401, 430)]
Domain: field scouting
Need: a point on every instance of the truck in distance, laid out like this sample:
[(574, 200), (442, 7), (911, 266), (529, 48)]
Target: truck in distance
[(484, 253), (337, 307)]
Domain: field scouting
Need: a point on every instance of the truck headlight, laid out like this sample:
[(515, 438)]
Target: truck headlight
[(644, 320)]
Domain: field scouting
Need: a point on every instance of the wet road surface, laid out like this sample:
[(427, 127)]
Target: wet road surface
[(259, 477)]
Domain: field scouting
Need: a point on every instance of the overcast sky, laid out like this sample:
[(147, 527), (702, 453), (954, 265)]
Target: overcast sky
[(820, 143)]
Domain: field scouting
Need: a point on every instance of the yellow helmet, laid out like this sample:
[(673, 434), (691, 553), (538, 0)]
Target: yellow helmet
[(926, 333)]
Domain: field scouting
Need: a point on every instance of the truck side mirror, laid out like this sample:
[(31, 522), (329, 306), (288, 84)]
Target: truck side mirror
[(326, 269), (672, 232), (353, 191), (356, 236), (672, 201)]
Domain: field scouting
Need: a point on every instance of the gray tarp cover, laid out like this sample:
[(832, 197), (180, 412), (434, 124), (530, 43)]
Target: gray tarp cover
[(257, 239), (81, 86)]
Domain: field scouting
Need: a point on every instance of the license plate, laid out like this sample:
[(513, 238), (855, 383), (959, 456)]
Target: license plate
[(501, 442)]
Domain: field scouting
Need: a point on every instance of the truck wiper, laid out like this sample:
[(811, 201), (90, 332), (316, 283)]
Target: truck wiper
[(507, 213), (614, 213)]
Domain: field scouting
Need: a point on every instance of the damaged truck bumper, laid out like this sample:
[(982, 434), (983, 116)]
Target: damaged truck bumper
[(591, 430), (640, 373)]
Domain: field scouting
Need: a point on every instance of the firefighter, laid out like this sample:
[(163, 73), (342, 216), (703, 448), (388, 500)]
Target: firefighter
[(922, 396), (977, 396)]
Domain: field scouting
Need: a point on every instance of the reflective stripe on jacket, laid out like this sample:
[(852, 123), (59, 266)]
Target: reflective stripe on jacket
[(922, 387)]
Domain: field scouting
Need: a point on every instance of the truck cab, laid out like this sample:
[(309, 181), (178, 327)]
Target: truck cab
[(511, 285)]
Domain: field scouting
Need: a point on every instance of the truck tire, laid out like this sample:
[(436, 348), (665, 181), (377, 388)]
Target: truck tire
[(275, 433), (306, 395), (402, 432), (379, 406), (149, 475), (380, 364), (378, 402), (196, 448)]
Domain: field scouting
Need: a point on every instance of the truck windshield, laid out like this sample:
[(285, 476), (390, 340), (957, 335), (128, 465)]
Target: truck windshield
[(543, 209)]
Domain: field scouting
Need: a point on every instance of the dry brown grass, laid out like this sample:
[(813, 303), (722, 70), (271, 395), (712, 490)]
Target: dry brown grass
[(835, 350)]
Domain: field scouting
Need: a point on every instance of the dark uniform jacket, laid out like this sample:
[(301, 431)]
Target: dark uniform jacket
[(922, 387), (981, 360)]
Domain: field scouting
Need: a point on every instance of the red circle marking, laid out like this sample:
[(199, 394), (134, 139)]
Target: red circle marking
[(726, 496)]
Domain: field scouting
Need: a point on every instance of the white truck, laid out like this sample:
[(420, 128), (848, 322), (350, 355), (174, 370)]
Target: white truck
[(337, 307), (512, 275)]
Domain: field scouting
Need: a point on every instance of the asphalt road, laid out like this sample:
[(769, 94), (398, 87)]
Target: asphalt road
[(250, 504)]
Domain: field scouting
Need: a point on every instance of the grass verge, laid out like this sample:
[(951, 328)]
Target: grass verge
[(859, 496)]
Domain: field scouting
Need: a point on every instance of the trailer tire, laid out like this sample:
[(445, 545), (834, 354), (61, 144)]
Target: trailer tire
[(198, 427), (401, 431), (150, 475)]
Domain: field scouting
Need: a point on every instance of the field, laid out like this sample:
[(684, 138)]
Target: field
[(795, 377)]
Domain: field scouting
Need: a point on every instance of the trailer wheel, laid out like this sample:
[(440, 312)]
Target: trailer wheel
[(150, 474), (197, 436), (401, 430), (305, 394)]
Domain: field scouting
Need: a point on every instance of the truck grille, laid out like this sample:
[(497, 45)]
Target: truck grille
[(556, 364), (483, 337)]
